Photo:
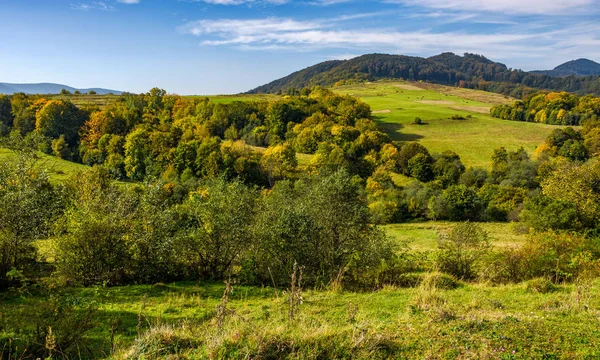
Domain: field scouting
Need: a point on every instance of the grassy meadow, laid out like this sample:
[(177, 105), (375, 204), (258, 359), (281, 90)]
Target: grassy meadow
[(396, 105), (423, 236), (58, 170), (179, 320)]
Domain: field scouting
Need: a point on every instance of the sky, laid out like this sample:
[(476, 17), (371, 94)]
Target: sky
[(231, 46)]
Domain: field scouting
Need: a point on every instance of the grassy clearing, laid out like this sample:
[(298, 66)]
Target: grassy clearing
[(58, 170), (397, 104), (88, 100), (423, 236), (226, 99), (505, 322)]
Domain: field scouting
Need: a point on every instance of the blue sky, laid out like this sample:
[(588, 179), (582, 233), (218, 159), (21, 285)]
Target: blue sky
[(229, 46)]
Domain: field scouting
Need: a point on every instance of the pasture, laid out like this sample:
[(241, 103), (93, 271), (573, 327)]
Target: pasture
[(58, 170), (179, 320), (395, 106)]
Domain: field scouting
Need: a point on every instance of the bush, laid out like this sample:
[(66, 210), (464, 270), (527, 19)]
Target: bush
[(418, 121), (216, 228), (461, 250), (457, 117), (324, 225), (57, 327), (541, 285), (442, 281)]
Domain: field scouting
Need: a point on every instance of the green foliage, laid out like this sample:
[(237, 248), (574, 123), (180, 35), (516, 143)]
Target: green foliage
[(541, 286), (60, 148), (456, 203), (551, 108), (29, 205), (543, 213), (461, 250), (448, 168), (216, 222), (324, 226), (57, 117)]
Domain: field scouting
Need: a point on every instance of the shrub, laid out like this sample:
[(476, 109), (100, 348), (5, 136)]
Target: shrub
[(418, 121), (324, 225), (461, 250), (216, 224), (457, 117), (541, 285)]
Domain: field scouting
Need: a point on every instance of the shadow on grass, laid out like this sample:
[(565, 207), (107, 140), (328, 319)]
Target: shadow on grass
[(394, 131)]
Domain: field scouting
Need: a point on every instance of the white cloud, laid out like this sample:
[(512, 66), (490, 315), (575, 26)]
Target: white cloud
[(537, 7), (530, 41), (129, 1), (94, 5), (271, 2), (241, 2)]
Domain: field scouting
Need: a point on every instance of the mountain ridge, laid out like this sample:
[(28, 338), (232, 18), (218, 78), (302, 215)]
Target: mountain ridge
[(48, 88), (579, 67), (470, 70)]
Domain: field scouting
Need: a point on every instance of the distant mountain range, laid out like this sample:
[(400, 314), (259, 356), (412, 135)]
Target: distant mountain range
[(579, 67), (48, 88), (470, 70)]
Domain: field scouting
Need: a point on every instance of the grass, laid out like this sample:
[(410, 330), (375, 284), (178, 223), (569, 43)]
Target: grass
[(473, 321), (423, 236), (225, 99), (59, 170), (397, 104)]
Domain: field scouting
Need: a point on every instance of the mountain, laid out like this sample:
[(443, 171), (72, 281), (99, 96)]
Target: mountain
[(579, 67), (48, 88), (470, 71), (446, 68)]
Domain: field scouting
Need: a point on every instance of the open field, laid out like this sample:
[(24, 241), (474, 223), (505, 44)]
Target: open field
[(58, 170), (472, 321), (423, 236), (397, 104)]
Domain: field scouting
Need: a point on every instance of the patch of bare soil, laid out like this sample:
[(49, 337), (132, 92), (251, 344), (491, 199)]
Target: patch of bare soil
[(408, 87), (382, 112)]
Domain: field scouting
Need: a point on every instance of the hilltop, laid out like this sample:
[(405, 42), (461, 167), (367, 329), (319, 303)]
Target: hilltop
[(48, 88), (579, 67), (468, 71)]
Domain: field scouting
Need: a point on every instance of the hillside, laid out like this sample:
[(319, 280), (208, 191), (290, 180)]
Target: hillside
[(396, 104), (48, 88), (579, 67), (470, 71)]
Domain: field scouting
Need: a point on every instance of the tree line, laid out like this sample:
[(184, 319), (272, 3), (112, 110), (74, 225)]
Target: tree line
[(551, 108)]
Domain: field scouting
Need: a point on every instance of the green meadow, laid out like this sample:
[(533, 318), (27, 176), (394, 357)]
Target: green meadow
[(395, 105), (58, 170), (179, 321), (423, 236)]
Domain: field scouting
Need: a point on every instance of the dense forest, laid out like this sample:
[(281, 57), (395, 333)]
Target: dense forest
[(551, 108), (468, 71), (183, 188)]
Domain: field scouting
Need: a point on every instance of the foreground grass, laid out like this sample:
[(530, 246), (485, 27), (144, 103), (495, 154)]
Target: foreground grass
[(505, 322), (397, 104)]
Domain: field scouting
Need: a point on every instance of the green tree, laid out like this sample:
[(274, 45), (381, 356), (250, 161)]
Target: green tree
[(217, 222), (138, 156), (60, 148), (58, 118), (462, 249), (279, 161), (6, 115)]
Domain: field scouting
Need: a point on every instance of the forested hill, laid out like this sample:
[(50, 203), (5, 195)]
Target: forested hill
[(48, 88), (579, 67), (470, 70)]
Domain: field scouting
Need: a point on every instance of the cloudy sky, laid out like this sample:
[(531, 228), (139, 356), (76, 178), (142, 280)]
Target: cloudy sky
[(229, 46)]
